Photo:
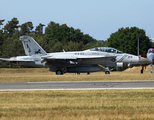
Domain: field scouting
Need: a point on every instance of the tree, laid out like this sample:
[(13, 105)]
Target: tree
[(126, 39), (39, 29), (1, 33), (1, 37), (26, 28), (11, 26), (64, 34), (1, 22), (52, 25), (13, 47)]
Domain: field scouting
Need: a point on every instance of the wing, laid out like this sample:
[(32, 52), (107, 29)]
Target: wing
[(94, 57), (59, 58)]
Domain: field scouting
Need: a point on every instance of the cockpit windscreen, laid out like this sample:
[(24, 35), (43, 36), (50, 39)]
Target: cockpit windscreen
[(106, 49)]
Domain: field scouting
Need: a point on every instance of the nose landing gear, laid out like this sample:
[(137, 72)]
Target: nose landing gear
[(142, 69), (151, 67)]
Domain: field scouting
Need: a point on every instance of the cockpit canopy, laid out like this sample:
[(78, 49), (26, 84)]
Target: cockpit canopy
[(151, 50), (106, 49)]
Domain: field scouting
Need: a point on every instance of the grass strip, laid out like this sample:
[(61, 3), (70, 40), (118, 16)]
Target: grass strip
[(77, 104), (43, 75)]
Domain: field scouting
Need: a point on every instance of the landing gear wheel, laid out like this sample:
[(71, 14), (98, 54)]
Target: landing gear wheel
[(142, 69), (107, 72), (59, 72), (88, 73)]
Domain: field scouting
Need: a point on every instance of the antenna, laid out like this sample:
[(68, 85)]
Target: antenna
[(138, 47)]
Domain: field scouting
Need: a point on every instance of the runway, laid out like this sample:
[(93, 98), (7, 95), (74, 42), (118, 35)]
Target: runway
[(76, 85)]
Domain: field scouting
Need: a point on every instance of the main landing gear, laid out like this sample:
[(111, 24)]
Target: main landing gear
[(107, 71), (59, 72)]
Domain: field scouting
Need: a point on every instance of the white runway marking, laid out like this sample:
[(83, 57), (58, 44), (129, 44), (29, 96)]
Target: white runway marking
[(73, 89)]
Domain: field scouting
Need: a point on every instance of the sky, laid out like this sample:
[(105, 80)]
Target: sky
[(98, 18)]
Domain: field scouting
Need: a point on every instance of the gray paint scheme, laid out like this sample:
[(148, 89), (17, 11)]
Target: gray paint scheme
[(74, 61)]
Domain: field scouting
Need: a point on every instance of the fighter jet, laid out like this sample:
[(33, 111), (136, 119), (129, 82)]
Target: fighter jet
[(91, 60)]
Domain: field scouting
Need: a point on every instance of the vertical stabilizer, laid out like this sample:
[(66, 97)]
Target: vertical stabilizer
[(31, 47)]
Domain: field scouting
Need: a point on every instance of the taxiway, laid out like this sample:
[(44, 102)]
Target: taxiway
[(76, 85)]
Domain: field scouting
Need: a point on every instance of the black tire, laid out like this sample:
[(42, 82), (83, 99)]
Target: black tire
[(107, 72), (59, 72)]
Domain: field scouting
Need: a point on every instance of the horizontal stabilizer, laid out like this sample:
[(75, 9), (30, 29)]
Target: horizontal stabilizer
[(15, 60)]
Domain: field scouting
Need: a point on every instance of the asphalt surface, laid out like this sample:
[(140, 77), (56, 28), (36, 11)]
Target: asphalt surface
[(76, 85)]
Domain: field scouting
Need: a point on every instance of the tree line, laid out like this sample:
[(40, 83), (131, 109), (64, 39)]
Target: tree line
[(58, 37), (55, 38), (126, 40)]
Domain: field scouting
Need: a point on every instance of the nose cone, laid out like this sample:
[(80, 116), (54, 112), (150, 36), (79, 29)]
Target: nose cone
[(144, 60)]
